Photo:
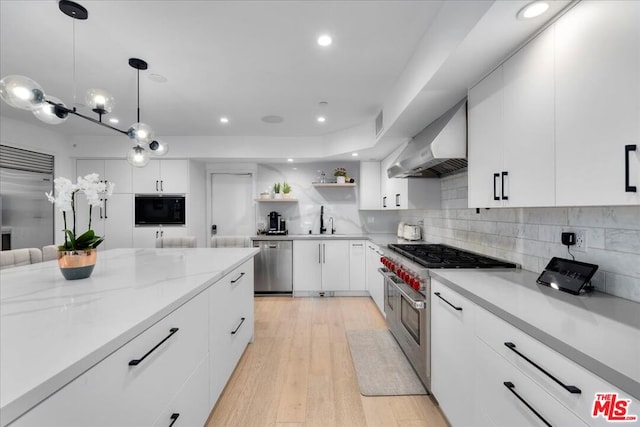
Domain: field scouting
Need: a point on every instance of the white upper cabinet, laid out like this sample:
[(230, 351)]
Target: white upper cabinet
[(598, 103), (511, 131), (557, 123), (528, 117), (162, 176), (115, 171), (370, 186)]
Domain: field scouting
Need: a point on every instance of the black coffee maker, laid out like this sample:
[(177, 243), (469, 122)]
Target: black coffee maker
[(277, 224)]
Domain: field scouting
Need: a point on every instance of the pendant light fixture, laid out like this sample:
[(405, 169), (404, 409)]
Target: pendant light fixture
[(23, 93)]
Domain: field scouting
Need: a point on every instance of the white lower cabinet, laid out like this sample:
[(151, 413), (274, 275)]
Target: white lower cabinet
[(452, 360), (191, 406), (320, 265), (357, 265), (484, 371), (507, 397), (132, 385), (375, 281), (230, 325)]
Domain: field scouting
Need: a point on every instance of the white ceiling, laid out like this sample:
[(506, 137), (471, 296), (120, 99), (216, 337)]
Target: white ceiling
[(248, 59)]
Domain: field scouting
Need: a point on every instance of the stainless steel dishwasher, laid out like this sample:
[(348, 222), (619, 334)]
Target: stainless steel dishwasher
[(273, 267)]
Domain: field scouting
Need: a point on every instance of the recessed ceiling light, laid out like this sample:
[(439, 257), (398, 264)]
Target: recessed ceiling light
[(321, 119), (224, 120), (157, 78), (114, 120), (533, 10), (325, 40), (354, 154), (272, 119), (289, 160)]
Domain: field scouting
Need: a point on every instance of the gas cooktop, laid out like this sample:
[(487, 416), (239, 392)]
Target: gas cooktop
[(443, 256)]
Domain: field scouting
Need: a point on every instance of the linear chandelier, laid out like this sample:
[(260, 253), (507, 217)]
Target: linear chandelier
[(23, 93)]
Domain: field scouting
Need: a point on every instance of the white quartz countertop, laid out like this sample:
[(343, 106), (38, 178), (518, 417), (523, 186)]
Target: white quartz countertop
[(597, 331), (52, 330)]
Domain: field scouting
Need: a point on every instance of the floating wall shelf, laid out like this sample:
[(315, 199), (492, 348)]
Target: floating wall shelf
[(332, 184), (277, 200)]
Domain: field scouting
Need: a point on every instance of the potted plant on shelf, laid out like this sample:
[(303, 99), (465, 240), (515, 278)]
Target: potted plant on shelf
[(341, 175), (286, 190), (77, 256), (276, 191)]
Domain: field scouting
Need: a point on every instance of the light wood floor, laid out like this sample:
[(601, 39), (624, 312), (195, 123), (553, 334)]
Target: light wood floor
[(298, 371)]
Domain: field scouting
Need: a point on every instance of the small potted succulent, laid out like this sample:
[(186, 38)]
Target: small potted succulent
[(341, 175), (276, 191), (286, 190)]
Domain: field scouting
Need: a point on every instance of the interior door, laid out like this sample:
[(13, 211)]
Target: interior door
[(231, 204)]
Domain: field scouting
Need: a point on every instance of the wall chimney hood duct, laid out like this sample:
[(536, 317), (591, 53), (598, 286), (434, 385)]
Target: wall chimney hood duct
[(439, 149)]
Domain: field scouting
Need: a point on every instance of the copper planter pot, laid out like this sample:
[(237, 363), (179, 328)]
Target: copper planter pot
[(76, 265)]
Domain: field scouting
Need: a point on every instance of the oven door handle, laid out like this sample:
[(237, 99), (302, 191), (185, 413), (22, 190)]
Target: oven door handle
[(418, 305)]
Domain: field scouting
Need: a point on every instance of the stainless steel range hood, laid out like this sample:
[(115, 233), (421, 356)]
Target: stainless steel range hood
[(439, 149)]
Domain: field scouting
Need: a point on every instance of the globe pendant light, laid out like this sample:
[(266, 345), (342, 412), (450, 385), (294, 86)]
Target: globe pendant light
[(23, 93)]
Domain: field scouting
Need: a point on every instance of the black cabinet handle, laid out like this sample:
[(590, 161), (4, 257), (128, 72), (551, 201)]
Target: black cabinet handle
[(105, 208), (174, 418), (627, 187), (156, 185), (237, 278), (511, 387), (242, 319), (504, 173), (384, 202), (161, 185), (438, 295), (570, 388), (101, 216), (135, 362), (157, 233), (495, 186), (398, 200)]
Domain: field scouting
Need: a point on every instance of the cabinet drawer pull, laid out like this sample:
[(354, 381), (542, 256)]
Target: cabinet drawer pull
[(398, 200), (384, 202), (628, 188), (174, 418), (105, 208), (161, 185), (438, 295), (237, 279), (357, 244), (101, 216), (495, 186), (242, 319), (135, 362), (511, 387), (157, 185), (570, 388), (504, 197)]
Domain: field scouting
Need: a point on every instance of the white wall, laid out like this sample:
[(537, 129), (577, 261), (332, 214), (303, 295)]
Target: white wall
[(531, 236), (44, 140)]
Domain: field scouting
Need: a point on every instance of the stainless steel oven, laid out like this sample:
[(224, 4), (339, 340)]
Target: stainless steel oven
[(408, 318)]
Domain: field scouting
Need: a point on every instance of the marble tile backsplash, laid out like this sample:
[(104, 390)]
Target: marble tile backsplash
[(531, 236)]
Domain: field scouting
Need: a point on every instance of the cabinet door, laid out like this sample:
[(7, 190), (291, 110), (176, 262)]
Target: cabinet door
[(174, 176), (597, 102), (528, 122), (485, 144), (375, 282), (335, 263), (118, 219), (452, 360), (146, 180), (307, 258), (119, 172), (145, 237), (370, 185), (357, 265)]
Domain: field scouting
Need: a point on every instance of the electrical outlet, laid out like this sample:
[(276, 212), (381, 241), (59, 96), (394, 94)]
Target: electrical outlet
[(581, 241)]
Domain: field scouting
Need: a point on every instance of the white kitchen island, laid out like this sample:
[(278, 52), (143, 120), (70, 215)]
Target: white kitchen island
[(58, 337)]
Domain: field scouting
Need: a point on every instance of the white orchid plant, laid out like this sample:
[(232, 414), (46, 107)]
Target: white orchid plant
[(65, 201)]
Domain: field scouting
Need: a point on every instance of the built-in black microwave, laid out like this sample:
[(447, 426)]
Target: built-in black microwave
[(160, 209)]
